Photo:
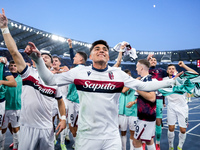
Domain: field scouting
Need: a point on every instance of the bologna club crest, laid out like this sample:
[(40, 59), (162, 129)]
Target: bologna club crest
[(111, 76)]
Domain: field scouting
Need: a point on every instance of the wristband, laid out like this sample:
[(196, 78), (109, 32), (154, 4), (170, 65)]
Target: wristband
[(63, 117), (5, 30)]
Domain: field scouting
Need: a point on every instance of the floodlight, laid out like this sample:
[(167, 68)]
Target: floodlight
[(66, 55), (54, 37), (61, 39), (12, 24)]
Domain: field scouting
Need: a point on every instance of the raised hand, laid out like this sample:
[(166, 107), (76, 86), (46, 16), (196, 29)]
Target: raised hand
[(123, 45), (149, 56), (69, 42), (3, 20), (31, 48), (181, 63)]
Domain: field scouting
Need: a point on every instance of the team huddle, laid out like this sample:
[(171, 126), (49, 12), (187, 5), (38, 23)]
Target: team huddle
[(94, 101)]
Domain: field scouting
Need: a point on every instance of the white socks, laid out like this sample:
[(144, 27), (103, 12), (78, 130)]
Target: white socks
[(171, 139), (124, 139), (15, 140), (2, 140), (182, 138), (151, 147), (62, 137)]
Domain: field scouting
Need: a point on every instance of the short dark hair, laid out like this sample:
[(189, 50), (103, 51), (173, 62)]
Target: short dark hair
[(11, 62), (83, 54), (57, 57), (48, 55), (99, 42), (127, 71), (144, 62), (171, 65)]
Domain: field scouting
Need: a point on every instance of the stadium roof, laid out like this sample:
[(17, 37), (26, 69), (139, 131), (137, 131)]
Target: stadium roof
[(58, 45)]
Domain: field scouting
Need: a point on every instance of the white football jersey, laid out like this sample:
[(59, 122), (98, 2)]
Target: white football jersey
[(37, 100), (99, 92)]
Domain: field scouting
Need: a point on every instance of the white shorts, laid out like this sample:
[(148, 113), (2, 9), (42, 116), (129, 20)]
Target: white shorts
[(11, 116), (73, 113), (98, 144), (125, 121), (179, 114), (33, 138), (2, 112), (145, 130)]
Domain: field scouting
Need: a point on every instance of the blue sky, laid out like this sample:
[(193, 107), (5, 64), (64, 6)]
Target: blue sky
[(170, 25)]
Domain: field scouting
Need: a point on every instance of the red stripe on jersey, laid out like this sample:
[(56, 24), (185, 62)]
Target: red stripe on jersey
[(98, 86), (30, 80)]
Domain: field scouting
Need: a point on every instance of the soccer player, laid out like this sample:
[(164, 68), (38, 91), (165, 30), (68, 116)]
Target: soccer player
[(13, 107), (36, 128), (177, 110), (146, 103), (99, 87), (159, 74)]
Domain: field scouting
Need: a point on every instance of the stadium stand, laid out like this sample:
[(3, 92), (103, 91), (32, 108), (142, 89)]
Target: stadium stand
[(58, 46)]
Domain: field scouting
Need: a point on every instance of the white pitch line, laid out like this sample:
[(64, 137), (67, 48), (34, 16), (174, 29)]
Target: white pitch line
[(194, 113), (187, 133), (194, 107), (193, 128), (193, 104), (193, 120)]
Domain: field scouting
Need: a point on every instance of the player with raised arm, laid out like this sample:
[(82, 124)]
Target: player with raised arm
[(36, 128), (177, 109), (159, 74)]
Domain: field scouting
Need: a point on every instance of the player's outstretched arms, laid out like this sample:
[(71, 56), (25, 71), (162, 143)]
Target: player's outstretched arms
[(155, 85)]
